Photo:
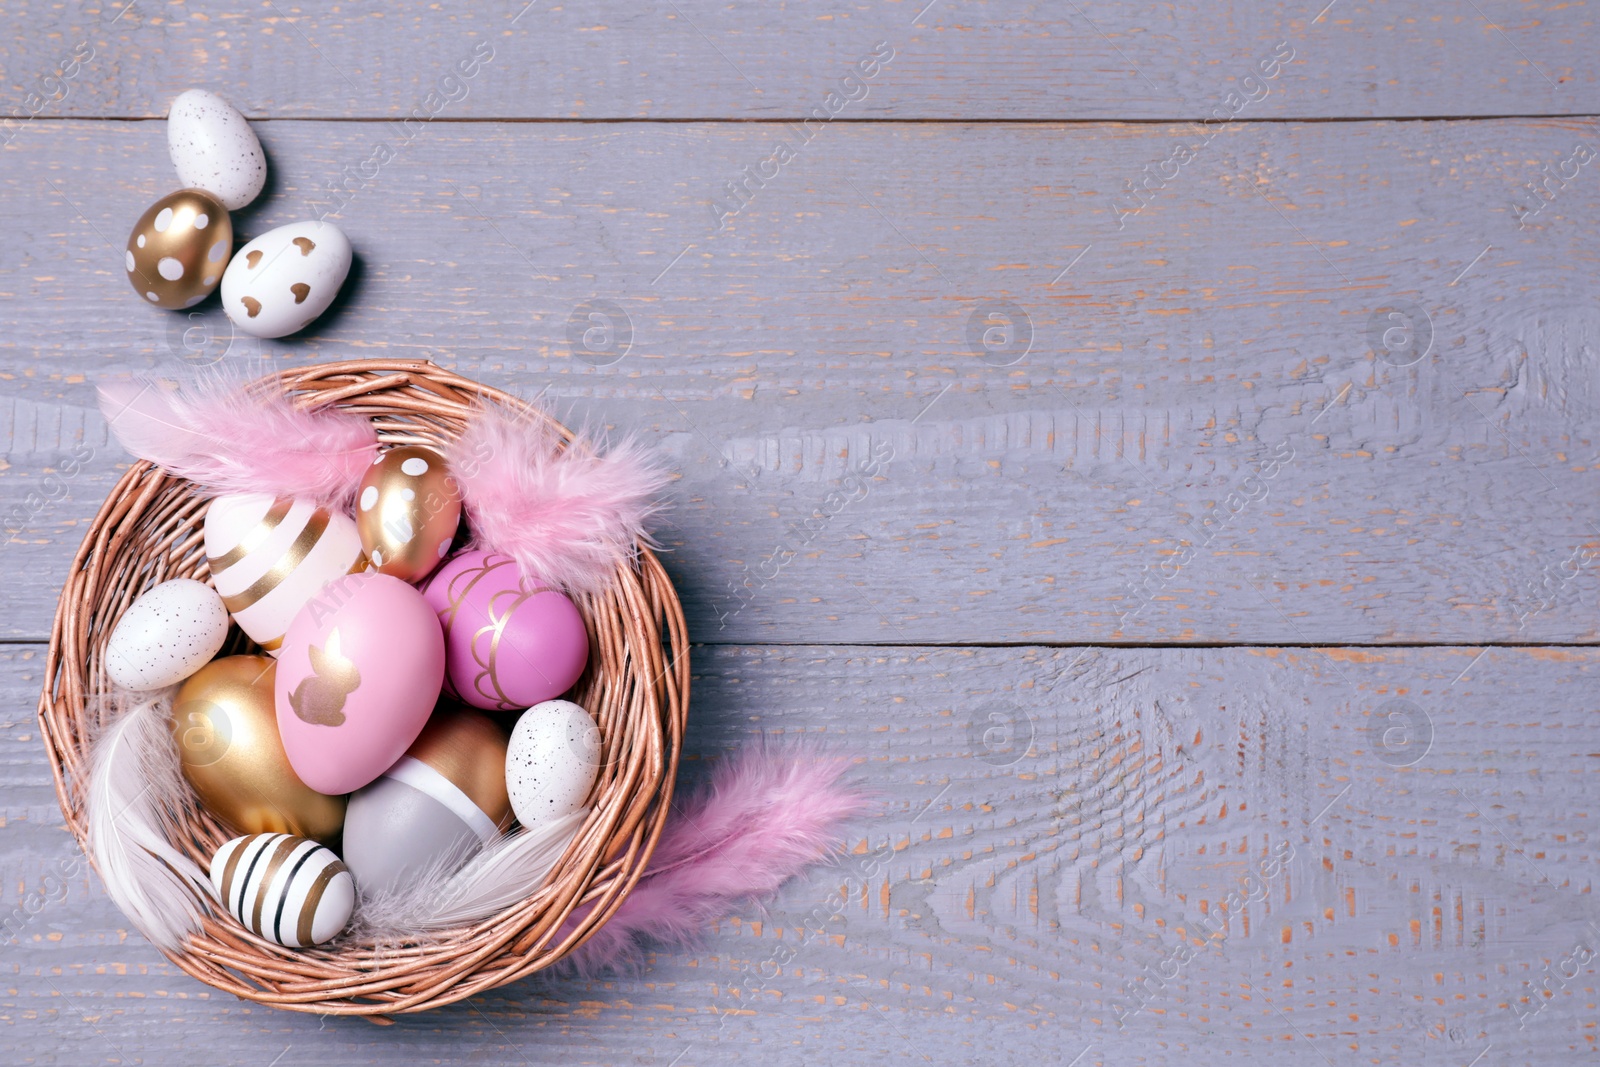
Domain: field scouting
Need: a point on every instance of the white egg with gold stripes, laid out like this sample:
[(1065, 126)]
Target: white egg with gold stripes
[(286, 889), (270, 555)]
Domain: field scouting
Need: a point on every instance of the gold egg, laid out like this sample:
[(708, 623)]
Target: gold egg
[(178, 249), (407, 512), (226, 726)]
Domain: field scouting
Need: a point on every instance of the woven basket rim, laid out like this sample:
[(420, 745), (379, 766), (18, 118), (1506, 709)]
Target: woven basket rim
[(637, 686)]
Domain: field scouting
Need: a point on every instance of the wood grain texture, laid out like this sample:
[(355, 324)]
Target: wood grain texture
[(1106, 375), (704, 59), (1053, 824), (1200, 444)]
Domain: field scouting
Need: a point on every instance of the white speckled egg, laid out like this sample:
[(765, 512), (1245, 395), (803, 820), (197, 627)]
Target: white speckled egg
[(552, 761), (166, 635), (214, 148), (279, 282), (284, 888)]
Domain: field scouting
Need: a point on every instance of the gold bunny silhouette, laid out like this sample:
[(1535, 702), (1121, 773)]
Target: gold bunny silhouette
[(319, 698)]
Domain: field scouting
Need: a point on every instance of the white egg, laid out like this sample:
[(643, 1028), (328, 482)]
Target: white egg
[(166, 635), (214, 148), (552, 761), (269, 556), (279, 282), (284, 888)]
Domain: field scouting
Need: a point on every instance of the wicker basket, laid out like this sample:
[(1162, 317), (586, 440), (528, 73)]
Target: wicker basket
[(637, 684)]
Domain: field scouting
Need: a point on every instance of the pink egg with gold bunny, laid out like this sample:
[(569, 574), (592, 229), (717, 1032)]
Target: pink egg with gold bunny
[(358, 676)]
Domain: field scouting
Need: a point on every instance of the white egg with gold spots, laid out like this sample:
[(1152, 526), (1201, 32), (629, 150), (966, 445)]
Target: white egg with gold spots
[(279, 282), (407, 512), (270, 555)]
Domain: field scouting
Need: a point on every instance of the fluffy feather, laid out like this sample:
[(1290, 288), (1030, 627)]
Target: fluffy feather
[(135, 787), (568, 516), (765, 817), (227, 440), (504, 873)]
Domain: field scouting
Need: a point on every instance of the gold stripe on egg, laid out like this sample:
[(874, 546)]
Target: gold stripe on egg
[(288, 888), (227, 872), (249, 872), (279, 854), (499, 627), (255, 538), (286, 565), (308, 909)]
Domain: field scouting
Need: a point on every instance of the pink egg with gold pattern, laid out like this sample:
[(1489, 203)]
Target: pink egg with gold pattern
[(358, 675), (509, 644)]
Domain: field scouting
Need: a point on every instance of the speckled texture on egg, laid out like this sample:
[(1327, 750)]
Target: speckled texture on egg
[(166, 635), (282, 280), (214, 148), (552, 761)]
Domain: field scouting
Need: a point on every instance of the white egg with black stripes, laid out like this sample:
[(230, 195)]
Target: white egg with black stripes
[(289, 890)]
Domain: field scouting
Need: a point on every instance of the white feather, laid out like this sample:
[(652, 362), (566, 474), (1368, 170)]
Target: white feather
[(505, 873), (135, 787)]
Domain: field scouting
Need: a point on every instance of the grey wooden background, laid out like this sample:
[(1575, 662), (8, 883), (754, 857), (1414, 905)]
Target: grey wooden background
[(1200, 612)]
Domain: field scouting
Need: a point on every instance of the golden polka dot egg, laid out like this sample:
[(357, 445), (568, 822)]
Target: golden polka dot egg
[(179, 248), (407, 512)]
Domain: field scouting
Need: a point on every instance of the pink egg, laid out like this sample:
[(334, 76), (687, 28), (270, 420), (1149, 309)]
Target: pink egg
[(358, 675), (508, 644)]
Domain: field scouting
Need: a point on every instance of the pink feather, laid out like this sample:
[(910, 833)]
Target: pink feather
[(568, 515), (228, 441), (764, 818)]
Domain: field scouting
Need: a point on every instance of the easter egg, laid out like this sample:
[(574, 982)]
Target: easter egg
[(167, 634), (358, 675), (509, 644), (551, 761), (407, 512), (179, 248), (284, 888), (283, 279), (270, 555), (214, 148), (225, 724), (439, 803)]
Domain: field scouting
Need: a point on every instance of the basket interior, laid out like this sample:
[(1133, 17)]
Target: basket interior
[(636, 685)]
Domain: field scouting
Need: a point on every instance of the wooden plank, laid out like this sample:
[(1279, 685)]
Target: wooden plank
[(1201, 444), (1053, 824), (703, 59)]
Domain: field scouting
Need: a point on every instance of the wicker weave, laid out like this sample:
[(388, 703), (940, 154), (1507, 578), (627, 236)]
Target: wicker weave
[(637, 684)]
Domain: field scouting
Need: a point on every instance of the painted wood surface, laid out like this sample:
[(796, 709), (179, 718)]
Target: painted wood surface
[(1015, 59), (1406, 836), (945, 396), (1326, 385)]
